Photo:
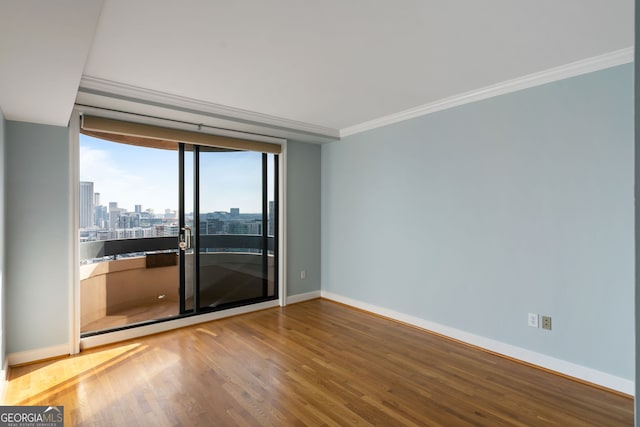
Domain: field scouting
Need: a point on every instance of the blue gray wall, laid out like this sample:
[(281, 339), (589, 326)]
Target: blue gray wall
[(303, 217), (474, 216), (38, 218)]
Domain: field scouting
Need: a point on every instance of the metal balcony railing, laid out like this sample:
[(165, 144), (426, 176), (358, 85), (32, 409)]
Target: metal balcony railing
[(110, 248)]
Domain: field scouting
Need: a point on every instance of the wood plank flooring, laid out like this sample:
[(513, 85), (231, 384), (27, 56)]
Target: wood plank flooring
[(313, 363)]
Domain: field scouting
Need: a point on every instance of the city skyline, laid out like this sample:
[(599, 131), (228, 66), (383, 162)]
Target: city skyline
[(132, 175), (90, 200), (99, 222)]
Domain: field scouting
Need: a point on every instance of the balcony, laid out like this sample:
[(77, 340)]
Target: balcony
[(137, 280)]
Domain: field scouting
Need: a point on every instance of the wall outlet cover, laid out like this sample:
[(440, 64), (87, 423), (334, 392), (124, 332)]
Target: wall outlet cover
[(532, 320), (546, 322)]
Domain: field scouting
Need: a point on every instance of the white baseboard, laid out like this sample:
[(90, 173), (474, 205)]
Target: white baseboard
[(292, 299), (28, 356), (547, 362)]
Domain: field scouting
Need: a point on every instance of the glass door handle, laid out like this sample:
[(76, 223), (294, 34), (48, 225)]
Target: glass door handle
[(185, 238)]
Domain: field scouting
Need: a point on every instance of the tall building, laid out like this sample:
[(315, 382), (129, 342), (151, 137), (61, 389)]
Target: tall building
[(87, 213), (235, 213), (102, 217), (114, 215), (138, 208), (124, 221)]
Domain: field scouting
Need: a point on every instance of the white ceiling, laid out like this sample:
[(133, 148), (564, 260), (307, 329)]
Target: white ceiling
[(43, 49), (330, 63)]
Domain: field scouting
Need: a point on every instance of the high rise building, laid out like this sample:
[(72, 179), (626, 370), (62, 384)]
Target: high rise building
[(87, 214), (102, 217), (235, 213), (114, 215), (138, 208)]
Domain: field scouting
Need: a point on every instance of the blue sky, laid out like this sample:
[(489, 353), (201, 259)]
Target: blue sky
[(133, 175)]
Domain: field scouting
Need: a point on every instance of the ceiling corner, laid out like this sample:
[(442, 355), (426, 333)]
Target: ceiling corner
[(43, 50)]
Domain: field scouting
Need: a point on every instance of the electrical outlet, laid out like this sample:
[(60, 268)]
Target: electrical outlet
[(303, 274), (546, 322), (532, 320)]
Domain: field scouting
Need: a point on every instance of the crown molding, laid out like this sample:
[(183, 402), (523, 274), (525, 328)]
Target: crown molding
[(584, 66), (110, 88)]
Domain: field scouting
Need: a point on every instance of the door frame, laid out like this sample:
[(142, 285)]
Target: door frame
[(76, 344)]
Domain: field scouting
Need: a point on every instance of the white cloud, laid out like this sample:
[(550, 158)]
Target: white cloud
[(127, 187), (131, 176)]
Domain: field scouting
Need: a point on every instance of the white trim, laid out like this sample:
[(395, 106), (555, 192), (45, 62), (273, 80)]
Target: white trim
[(154, 328), (147, 95), (76, 343), (292, 299), (561, 366), (282, 226), (74, 283), (5, 380), (28, 356), (596, 63)]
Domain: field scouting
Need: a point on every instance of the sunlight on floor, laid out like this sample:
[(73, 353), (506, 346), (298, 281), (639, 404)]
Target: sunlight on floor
[(78, 382), (31, 384)]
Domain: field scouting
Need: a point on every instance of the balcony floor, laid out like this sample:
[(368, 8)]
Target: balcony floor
[(157, 310), (219, 286)]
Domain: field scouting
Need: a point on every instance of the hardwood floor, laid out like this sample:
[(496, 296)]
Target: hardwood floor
[(313, 363)]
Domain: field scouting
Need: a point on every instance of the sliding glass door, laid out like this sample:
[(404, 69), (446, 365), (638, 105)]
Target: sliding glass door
[(128, 233), (236, 260), (187, 229)]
